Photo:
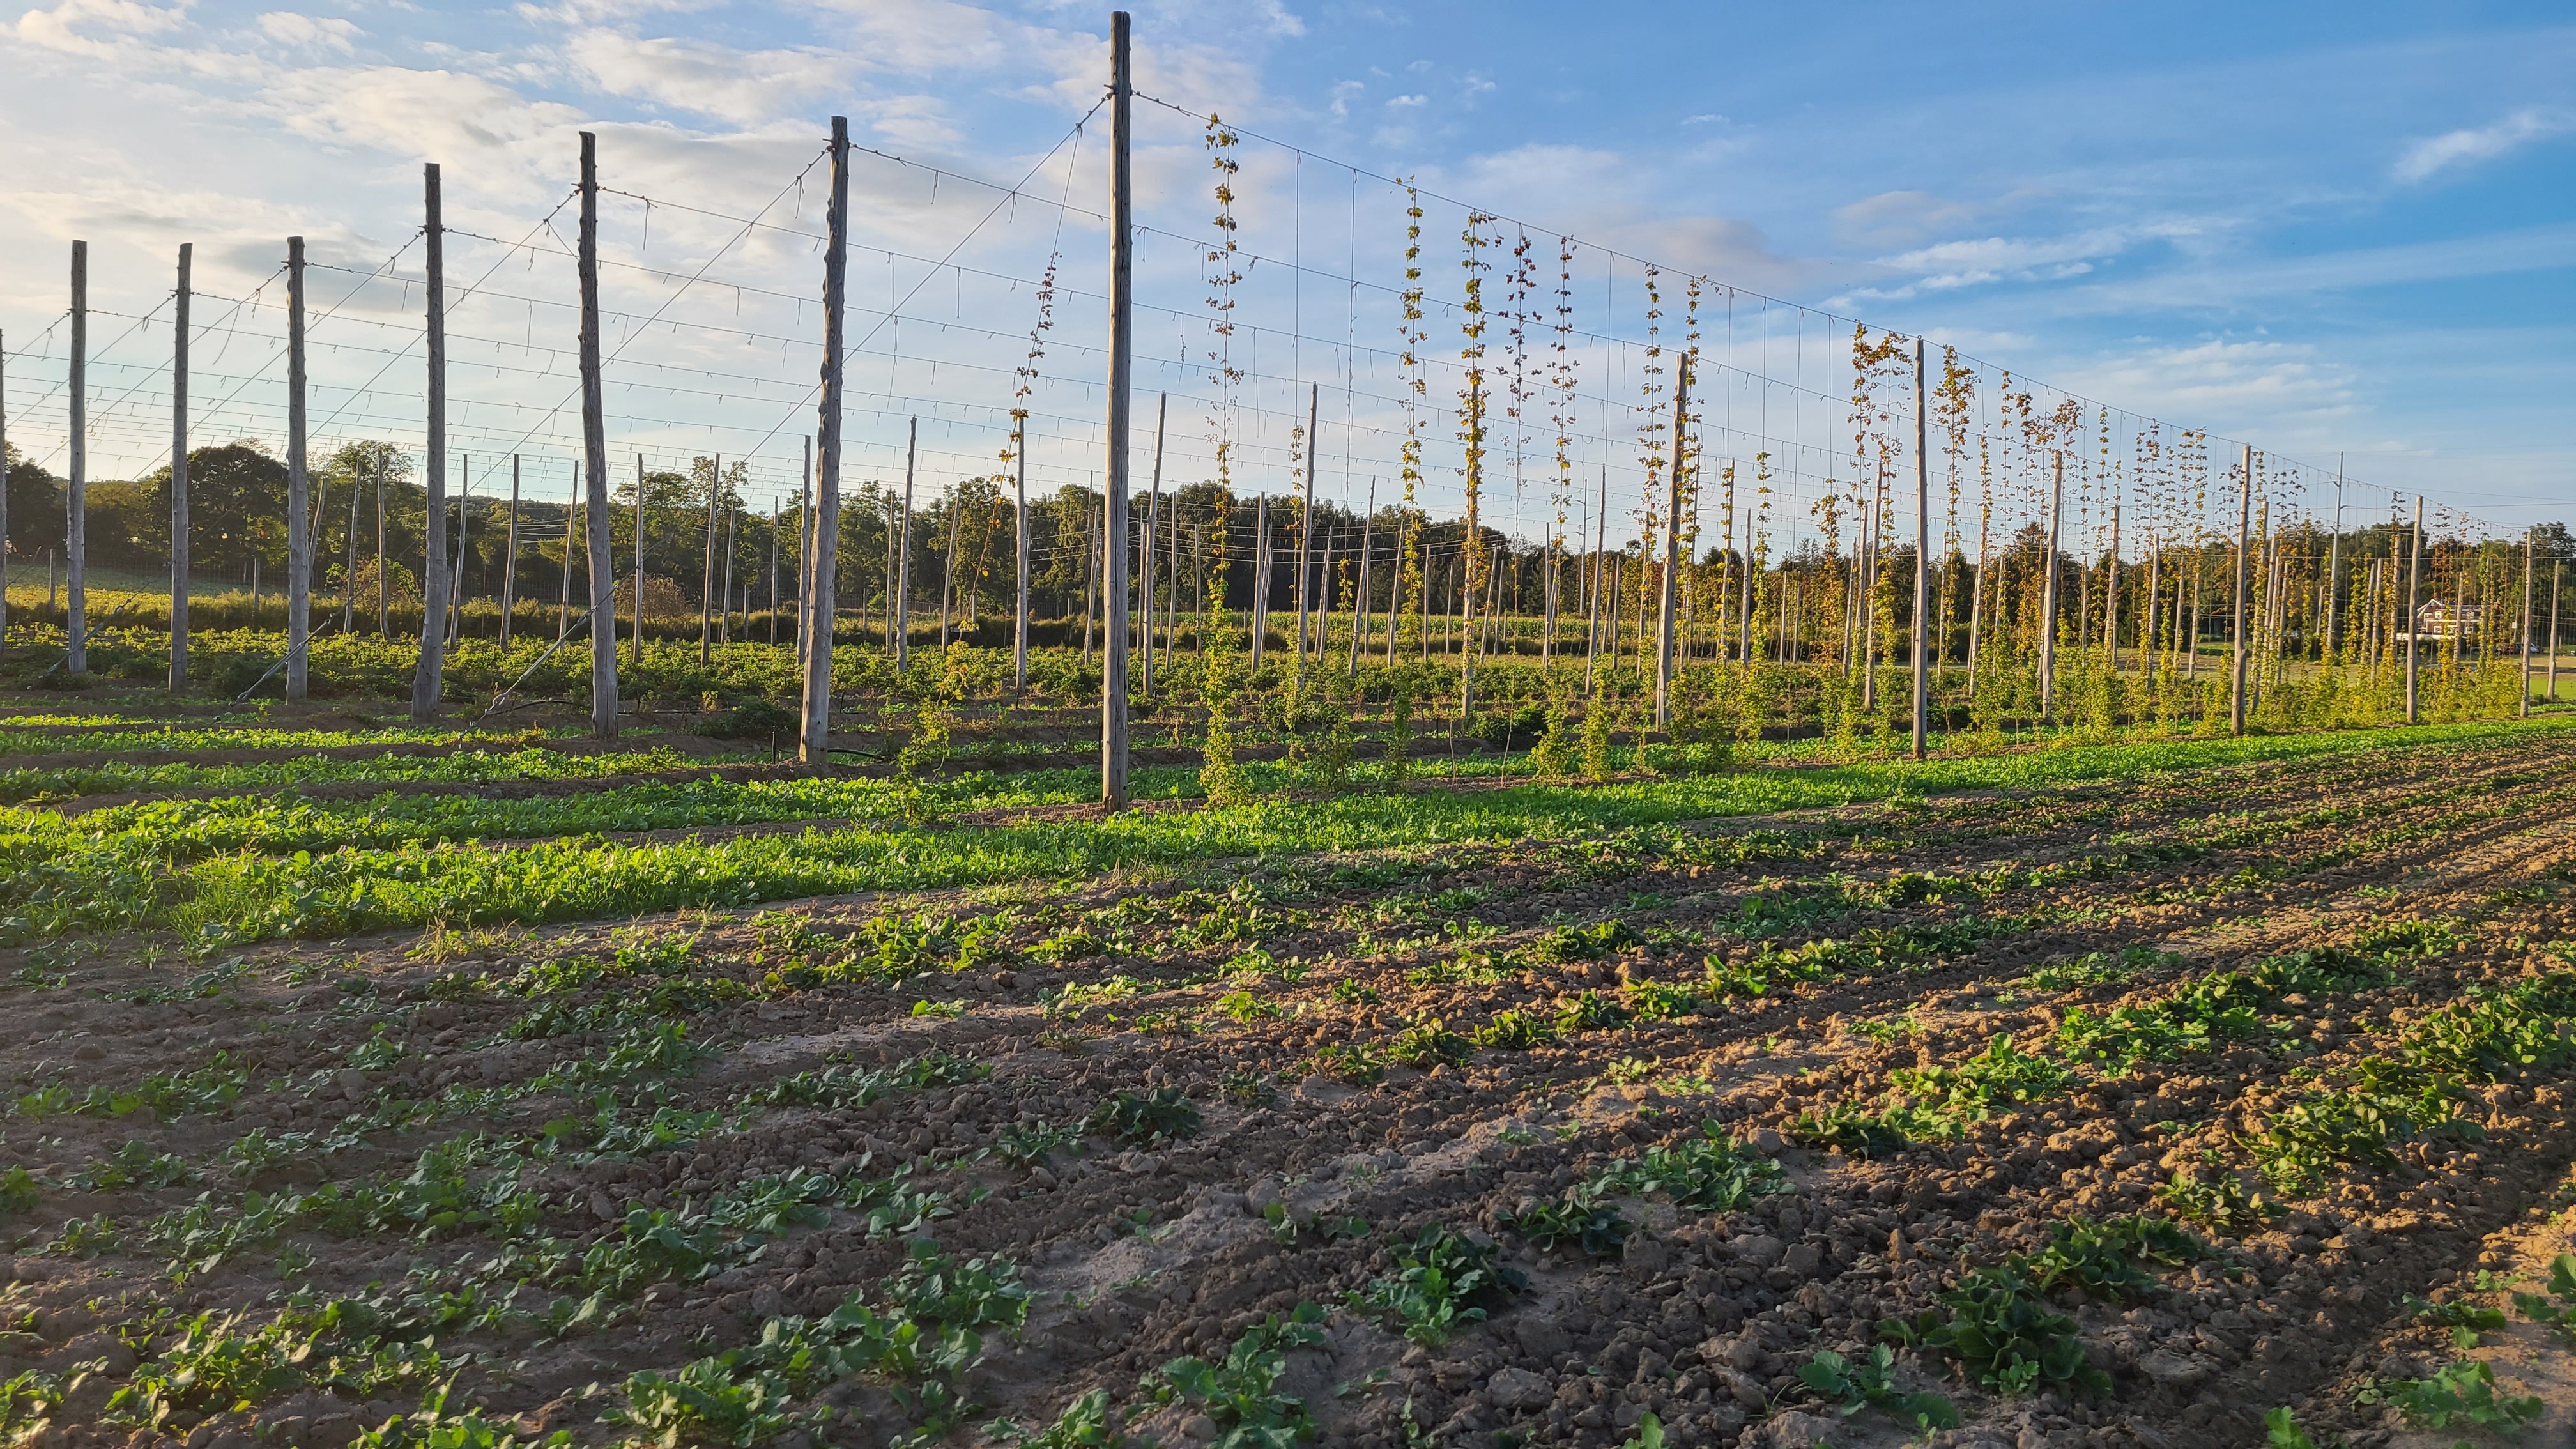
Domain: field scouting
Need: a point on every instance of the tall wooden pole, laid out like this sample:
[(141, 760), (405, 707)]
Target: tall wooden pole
[(596, 518), (638, 580), (456, 584), (893, 520), (804, 553), (1873, 546), (178, 477), (1671, 594), (1305, 526), (1922, 567), (2528, 536), (384, 580), (903, 553), (813, 740), (2244, 525), (725, 627), (773, 579), (2406, 610), (1020, 549), (1360, 598), (1145, 555), (2048, 583), (1600, 555), (1471, 551), (1260, 610), (2552, 683), (426, 676), (4, 473), (707, 586), (510, 556), (573, 523), (948, 561), (349, 562), (1122, 341), (2334, 570), (2111, 597), (1172, 580), (299, 534), (76, 501)]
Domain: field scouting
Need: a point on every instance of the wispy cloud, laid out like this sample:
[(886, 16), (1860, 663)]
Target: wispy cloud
[(321, 32), (2427, 158)]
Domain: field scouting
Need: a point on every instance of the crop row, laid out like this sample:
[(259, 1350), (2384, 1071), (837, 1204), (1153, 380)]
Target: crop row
[(245, 898)]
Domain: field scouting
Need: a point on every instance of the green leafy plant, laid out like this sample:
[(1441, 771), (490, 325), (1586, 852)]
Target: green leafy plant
[(1248, 1086), (1850, 1385), (1706, 1174), (1240, 1392), (2461, 1393), (1441, 1282), (2220, 1203), (1649, 1435), (1993, 1322), (1163, 1113), (2104, 1258), (2464, 1319), (1084, 1424), (28, 1399), (133, 1165), (1516, 1028), (2557, 1308), (18, 1192), (1427, 1044), (1580, 1217), (706, 1401), (2282, 1431)]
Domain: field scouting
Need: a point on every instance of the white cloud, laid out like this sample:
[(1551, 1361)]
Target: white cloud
[(2424, 158), (2228, 382), (1394, 103), (68, 26), (1949, 266), (326, 32), (1278, 19), (742, 87), (1896, 217)]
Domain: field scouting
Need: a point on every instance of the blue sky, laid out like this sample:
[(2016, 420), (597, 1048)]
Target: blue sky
[(2320, 229)]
